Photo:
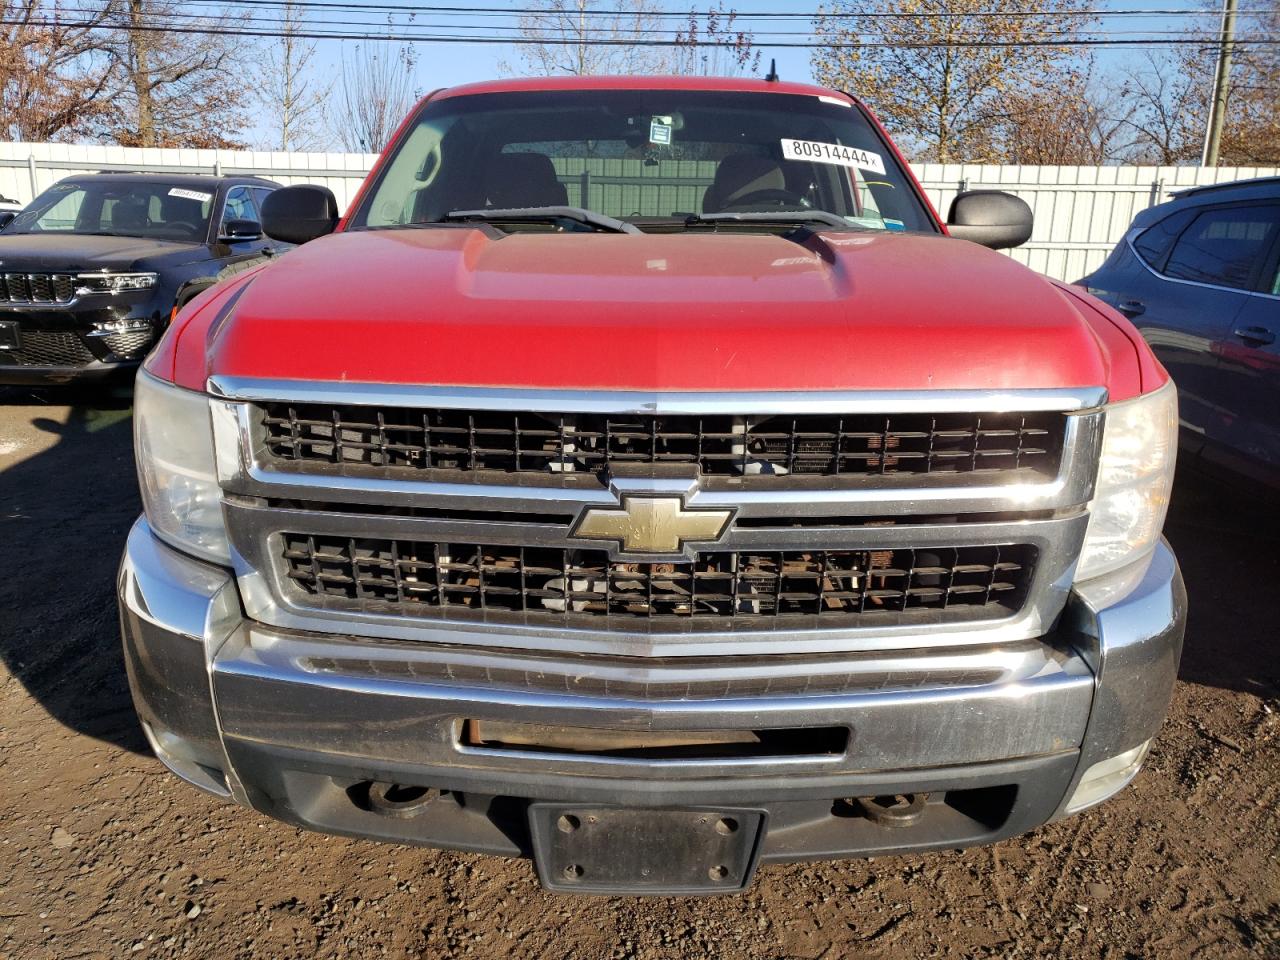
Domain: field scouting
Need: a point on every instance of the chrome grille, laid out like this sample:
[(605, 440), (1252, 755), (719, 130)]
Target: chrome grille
[(417, 578), (37, 288), (449, 441)]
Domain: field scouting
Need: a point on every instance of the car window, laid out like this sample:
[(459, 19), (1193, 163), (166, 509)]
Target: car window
[(646, 155), (122, 208), (239, 206), (260, 194), (1154, 243), (1224, 246)]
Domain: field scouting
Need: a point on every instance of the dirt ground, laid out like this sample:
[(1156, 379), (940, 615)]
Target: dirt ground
[(103, 855)]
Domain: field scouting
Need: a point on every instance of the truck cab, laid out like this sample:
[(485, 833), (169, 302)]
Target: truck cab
[(643, 479)]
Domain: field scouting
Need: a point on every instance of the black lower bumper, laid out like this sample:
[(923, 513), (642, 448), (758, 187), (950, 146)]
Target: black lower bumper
[(21, 375), (832, 818)]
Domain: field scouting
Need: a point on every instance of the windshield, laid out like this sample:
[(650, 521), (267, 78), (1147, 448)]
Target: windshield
[(160, 211), (643, 156)]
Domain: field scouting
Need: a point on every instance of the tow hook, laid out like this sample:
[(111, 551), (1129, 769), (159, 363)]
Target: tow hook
[(400, 801), (894, 810)]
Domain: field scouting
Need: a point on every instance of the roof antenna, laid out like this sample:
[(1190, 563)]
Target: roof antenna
[(772, 76)]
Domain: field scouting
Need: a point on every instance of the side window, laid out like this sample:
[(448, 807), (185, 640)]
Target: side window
[(239, 205), (259, 194), (1225, 246), (1154, 243)]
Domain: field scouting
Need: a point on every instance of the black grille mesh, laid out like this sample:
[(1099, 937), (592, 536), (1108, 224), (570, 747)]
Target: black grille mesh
[(37, 288), (45, 348), (128, 344), (415, 577), (472, 440)]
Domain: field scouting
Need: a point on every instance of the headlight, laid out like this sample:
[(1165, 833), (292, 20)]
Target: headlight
[(1135, 475), (173, 444), (87, 283)]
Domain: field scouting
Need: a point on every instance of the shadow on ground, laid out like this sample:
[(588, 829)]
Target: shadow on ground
[(1228, 544), (65, 511)]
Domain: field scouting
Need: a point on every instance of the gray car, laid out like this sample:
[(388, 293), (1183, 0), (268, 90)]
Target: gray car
[(1200, 277)]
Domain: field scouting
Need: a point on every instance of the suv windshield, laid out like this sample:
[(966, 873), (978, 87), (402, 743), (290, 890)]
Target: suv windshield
[(643, 156), (159, 211)]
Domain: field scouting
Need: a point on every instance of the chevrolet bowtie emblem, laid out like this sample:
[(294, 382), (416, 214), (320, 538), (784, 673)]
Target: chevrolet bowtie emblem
[(651, 524)]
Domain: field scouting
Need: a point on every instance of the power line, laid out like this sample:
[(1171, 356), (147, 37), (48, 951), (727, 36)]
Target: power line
[(403, 37), (738, 16), (329, 24)]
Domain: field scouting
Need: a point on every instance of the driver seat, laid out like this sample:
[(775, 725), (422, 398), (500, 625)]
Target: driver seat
[(129, 215), (739, 175)]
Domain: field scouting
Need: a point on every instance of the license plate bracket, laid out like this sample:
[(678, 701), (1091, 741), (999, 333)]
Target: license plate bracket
[(589, 848), (10, 336)]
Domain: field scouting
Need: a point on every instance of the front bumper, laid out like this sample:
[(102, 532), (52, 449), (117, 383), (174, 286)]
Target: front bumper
[(296, 725), (61, 344)]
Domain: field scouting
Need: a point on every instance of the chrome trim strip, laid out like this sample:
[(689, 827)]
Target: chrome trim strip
[(1194, 283), (622, 401)]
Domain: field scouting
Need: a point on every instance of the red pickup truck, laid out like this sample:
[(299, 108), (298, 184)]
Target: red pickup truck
[(641, 478)]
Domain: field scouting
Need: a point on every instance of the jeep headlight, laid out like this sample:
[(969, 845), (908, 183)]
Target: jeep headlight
[(87, 283), (1135, 476), (173, 444)]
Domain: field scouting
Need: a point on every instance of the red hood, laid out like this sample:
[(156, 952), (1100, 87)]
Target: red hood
[(691, 311)]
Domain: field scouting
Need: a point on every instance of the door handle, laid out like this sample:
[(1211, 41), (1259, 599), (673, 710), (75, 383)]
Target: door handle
[(1258, 335), (1132, 308)]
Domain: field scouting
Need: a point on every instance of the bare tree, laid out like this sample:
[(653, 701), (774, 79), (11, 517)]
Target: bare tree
[(586, 37), (1079, 121), (1169, 100), (177, 88), (1170, 95), (711, 45), (376, 91), (55, 80), (945, 98), (290, 95)]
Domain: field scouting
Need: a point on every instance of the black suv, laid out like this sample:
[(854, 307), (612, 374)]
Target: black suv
[(93, 269)]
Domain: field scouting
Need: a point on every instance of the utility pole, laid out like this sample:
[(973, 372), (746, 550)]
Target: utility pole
[(1221, 83)]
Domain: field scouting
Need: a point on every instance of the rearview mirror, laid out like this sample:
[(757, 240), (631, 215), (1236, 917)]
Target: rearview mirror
[(234, 231), (990, 217), (298, 214)]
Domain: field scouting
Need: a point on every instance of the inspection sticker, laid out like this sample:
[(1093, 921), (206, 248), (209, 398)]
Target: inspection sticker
[(190, 194), (835, 153)]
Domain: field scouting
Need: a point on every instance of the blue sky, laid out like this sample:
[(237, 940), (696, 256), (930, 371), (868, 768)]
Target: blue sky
[(447, 64)]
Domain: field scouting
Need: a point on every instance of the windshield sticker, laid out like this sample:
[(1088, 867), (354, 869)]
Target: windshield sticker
[(190, 194), (838, 102), (660, 130), (835, 153)]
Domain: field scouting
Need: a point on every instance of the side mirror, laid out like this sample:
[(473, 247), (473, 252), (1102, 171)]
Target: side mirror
[(6, 216), (298, 214), (233, 231), (990, 217)]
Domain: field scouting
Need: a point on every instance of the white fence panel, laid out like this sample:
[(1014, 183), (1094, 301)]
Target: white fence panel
[(1080, 212)]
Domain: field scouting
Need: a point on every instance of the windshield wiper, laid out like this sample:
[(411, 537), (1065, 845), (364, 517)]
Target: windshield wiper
[(545, 214), (823, 217)]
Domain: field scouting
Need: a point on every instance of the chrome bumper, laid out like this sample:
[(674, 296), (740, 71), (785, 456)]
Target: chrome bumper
[(290, 722)]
